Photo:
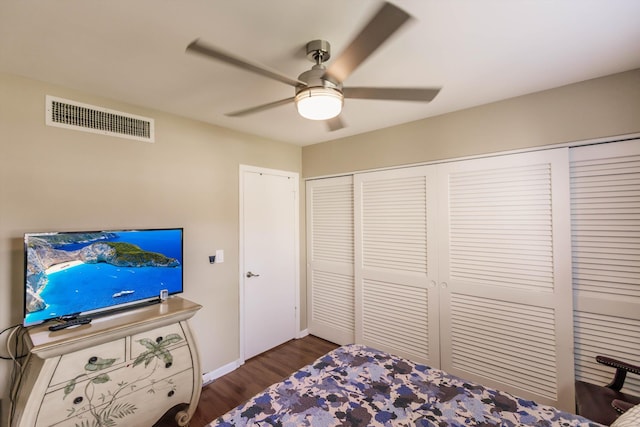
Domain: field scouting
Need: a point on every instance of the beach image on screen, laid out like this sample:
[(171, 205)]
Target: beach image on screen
[(69, 273)]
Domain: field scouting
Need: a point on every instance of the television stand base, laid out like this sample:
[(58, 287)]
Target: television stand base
[(70, 323)]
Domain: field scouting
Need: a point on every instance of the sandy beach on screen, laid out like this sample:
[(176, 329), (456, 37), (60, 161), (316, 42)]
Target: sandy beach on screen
[(62, 266)]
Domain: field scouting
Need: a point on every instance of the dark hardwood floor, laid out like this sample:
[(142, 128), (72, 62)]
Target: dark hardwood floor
[(257, 373)]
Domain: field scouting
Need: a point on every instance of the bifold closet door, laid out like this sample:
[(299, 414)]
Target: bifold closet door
[(395, 263), (505, 274), (605, 211), (330, 276)]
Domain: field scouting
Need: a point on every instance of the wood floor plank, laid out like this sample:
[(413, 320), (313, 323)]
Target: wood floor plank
[(257, 373)]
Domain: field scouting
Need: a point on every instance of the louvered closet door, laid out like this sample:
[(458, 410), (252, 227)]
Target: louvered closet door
[(505, 274), (605, 211), (396, 297), (330, 282)]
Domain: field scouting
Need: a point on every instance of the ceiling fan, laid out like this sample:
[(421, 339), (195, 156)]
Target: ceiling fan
[(319, 94)]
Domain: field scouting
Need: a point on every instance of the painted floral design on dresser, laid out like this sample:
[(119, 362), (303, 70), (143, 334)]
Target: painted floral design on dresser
[(98, 404)]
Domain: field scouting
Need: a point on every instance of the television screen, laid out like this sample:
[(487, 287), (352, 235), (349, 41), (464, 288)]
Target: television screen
[(78, 273)]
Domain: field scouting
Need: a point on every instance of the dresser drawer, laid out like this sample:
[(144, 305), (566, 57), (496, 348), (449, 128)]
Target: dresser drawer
[(74, 364), (134, 409), (90, 396), (166, 337)]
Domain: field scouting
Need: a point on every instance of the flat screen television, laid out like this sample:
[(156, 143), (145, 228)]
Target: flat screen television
[(73, 274)]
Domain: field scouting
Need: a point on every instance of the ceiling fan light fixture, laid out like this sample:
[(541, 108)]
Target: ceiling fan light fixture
[(319, 103)]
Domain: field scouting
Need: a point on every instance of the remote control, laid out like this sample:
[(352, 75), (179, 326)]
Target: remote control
[(70, 323)]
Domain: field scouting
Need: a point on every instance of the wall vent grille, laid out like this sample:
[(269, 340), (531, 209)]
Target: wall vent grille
[(89, 118)]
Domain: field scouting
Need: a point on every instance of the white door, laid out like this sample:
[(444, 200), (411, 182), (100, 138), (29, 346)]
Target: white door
[(605, 213), (505, 275), (268, 258), (330, 280), (395, 268)]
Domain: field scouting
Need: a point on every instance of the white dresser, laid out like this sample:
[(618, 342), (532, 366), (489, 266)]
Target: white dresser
[(125, 369)]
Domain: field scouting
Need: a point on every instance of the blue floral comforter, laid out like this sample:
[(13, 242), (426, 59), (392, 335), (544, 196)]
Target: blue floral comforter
[(356, 385)]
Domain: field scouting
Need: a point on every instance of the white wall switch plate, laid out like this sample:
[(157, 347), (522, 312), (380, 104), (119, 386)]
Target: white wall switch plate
[(219, 256)]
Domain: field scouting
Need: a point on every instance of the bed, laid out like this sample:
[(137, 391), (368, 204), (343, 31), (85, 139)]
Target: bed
[(356, 385)]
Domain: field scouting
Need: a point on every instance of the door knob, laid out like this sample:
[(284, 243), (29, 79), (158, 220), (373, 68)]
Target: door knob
[(250, 274)]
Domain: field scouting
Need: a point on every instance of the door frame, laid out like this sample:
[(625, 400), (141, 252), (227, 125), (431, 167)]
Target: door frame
[(241, 261)]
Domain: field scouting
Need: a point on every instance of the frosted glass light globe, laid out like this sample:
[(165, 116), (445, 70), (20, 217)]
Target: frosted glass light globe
[(319, 103)]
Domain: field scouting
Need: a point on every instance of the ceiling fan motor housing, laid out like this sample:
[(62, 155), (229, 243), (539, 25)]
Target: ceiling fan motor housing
[(316, 77)]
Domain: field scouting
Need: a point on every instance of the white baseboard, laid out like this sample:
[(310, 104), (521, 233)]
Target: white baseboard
[(302, 334), (209, 377)]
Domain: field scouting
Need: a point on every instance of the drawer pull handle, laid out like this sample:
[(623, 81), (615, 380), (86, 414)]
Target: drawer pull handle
[(171, 393), (93, 359), (168, 365), (77, 400), (158, 339)]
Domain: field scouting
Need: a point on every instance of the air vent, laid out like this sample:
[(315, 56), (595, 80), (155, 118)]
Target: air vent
[(89, 118)]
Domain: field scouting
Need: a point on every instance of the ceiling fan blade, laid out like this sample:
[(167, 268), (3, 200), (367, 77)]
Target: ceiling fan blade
[(391, 94), (197, 46), (335, 123), (385, 22), (259, 108)]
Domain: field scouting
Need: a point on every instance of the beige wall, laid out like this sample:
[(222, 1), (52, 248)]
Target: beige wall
[(596, 108), (57, 179)]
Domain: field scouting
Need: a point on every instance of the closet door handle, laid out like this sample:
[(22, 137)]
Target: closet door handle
[(250, 275)]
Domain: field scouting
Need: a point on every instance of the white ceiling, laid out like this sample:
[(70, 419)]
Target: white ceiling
[(478, 51)]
